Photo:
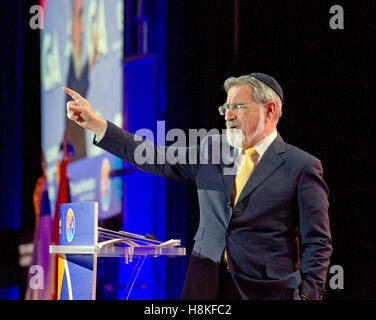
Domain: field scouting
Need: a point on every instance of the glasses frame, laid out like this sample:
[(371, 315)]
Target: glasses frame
[(233, 106)]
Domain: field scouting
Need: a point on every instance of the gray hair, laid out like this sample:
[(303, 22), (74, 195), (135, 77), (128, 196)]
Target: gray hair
[(261, 92)]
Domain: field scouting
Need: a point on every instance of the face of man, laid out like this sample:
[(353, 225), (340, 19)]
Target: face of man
[(77, 25), (245, 126)]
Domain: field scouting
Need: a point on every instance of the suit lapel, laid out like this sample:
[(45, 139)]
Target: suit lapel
[(270, 162), (229, 185), (228, 170)]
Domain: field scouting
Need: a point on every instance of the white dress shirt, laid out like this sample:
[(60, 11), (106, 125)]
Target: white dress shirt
[(260, 147)]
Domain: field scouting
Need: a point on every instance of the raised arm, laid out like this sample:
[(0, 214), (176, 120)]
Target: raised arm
[(160, 160)]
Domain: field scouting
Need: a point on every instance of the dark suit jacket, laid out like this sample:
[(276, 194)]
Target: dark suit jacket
[(284, 202)]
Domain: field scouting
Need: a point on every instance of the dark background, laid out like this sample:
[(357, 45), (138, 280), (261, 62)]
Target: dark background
[(328, 80), (329, 110)]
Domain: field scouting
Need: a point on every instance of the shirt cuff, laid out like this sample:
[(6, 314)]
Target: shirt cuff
[(98, 139)]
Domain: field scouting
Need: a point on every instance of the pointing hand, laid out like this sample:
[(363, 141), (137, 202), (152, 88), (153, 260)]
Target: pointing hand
[(80, 111)]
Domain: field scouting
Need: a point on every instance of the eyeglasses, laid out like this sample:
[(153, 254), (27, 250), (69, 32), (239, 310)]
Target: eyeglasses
[(233, 106)]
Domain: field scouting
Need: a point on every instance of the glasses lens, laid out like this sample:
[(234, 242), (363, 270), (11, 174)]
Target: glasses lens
[(222, 110), (233, 106)]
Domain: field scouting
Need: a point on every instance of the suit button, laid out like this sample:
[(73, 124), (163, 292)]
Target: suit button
[(228, 233), (228, 205)]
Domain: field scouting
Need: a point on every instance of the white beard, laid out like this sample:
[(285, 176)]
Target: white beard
[(237, 139)]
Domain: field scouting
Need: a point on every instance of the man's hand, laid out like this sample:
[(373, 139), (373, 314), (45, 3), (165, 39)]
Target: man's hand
[(79, 110)]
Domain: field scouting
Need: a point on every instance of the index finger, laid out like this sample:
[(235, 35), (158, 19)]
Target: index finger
[(76, 96)]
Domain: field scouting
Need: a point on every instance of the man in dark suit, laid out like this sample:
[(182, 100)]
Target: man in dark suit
[(264, 227)]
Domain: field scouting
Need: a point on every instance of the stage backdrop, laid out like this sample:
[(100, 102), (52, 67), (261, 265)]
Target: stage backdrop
[(82, 48)]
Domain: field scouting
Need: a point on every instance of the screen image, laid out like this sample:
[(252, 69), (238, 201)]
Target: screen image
[(82, 48)]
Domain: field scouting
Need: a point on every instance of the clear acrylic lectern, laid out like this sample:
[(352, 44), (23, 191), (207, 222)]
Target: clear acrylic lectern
[(82, 242)]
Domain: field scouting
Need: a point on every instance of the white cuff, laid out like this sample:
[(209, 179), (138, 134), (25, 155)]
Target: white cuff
[(98, 139)]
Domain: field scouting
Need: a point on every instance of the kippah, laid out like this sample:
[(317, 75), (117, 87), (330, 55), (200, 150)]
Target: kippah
[(269, 81)]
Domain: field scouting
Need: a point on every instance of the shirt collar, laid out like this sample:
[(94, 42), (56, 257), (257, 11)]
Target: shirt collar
[(263, 144)]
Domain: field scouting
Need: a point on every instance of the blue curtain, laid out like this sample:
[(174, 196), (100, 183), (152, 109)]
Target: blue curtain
[(11, 23)]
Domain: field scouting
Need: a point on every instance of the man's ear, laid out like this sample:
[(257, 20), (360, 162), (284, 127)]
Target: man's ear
[(271, 108)]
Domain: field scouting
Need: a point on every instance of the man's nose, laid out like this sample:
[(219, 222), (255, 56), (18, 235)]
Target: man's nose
[(230, 115)]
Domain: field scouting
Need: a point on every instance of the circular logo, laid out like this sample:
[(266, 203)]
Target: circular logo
[(70, 225)]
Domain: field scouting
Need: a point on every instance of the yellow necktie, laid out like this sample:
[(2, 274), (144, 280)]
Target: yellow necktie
[(244, 172)]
